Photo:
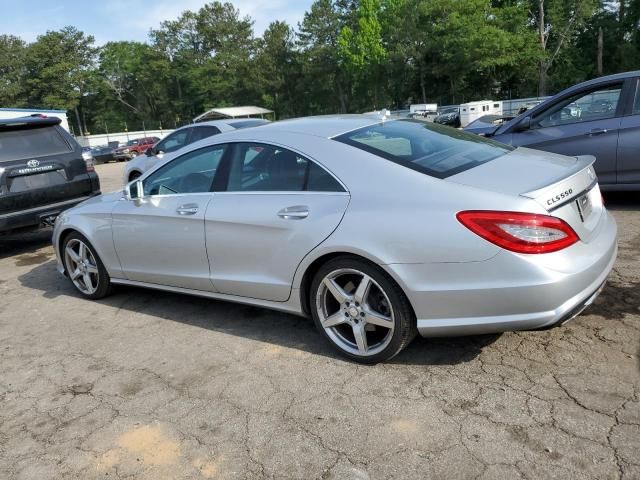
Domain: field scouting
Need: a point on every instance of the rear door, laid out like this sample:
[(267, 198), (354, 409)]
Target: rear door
[(585, 123), (629, 140), (40, 166), (276, 207)]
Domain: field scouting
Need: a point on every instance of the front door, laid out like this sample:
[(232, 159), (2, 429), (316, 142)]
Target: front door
[(277, 207), (160, 237), (586, 123)]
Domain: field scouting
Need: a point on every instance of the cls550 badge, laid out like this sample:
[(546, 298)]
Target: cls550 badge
[(560, 197)]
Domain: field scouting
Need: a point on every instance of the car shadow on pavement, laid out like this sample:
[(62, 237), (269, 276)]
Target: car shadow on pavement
[(12, 245), (255, 323), (621, 200)]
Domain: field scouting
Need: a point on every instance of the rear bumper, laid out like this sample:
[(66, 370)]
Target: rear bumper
[(122, 156), (38, 216), (509, 291)]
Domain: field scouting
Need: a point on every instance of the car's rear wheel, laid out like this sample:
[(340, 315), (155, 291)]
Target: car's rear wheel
[(134, 175), (360, 310), (84, 267)]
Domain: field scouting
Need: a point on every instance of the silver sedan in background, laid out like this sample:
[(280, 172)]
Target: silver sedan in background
[(180, 138), (378, 229)]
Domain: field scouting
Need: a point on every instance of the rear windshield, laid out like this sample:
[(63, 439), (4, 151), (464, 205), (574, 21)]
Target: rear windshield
[(30, 143), (426, 147)]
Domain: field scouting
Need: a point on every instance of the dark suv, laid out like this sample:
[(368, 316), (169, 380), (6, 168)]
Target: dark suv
[(42, 172)]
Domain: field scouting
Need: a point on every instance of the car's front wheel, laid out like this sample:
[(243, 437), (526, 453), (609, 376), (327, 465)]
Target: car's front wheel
[(360, 310), (84, 267)]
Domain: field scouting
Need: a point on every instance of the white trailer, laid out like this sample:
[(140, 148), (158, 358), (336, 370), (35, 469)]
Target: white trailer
[(26, 112), (474, 110)]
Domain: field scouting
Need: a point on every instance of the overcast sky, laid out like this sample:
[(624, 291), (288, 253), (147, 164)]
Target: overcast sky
[(127, 19)]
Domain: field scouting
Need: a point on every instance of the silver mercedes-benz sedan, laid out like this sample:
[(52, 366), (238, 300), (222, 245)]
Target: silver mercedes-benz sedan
[(376, 228)]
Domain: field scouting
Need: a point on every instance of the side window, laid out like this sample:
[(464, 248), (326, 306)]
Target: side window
[(192, 172), (636, 106), (203, 132), (174, 141), (264, 168), (598, 104)]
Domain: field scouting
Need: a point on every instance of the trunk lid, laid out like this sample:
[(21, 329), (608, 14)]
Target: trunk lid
[(566, 187)]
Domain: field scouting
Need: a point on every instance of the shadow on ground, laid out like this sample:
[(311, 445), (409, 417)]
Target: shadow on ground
[(24, 243), (247, 321)]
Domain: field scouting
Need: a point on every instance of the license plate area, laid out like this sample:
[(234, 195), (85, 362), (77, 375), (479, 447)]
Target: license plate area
[(585, 206)]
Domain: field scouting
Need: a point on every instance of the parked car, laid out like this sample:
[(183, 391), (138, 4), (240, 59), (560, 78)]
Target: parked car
[(43, 171), (103, 153), (133, 148), (600, 117), (449, 116), (446, 233), (181, 137)]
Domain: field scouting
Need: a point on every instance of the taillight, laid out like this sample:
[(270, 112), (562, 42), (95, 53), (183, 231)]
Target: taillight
[(88, 160), (520, 232)]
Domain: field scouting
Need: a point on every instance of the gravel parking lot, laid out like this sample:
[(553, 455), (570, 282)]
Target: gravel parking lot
[(154, 385)]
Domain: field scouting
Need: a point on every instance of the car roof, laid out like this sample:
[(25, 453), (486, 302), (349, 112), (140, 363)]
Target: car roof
[(226, 123), (325, 126), (608, 78)]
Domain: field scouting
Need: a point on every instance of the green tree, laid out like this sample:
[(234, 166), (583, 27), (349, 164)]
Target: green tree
[(12, 71), (327, 87), (360, 48), (558, 22), (58, 66), (277, 70)]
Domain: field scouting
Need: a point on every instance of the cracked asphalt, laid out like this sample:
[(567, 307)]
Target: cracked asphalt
[(153, 385)]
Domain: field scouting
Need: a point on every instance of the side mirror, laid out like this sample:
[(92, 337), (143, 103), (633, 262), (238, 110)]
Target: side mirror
[(134, 190), (149, 152), (523, 125)]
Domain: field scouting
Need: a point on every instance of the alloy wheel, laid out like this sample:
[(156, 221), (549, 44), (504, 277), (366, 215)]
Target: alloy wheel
[(355, 312), (81, 266)]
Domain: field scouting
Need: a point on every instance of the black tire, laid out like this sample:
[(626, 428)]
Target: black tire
[(401, 313), (134, 175), (104, 286)]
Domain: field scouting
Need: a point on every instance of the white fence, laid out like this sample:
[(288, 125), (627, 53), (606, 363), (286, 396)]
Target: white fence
[(123, 137)]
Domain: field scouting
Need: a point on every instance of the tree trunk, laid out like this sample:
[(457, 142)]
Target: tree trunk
[(81, 132), (343, 104), (600, 50), (422, 85), (453, 91), (542, 79)]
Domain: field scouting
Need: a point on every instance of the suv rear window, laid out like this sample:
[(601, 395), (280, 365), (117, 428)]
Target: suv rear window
[(30, 143), (425, 147)]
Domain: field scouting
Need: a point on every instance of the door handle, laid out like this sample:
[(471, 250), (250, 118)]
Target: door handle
[(297, 212), (187, 209), (596, 131)]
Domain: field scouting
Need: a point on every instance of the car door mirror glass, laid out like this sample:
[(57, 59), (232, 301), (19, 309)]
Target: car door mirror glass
[(134, 190)]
